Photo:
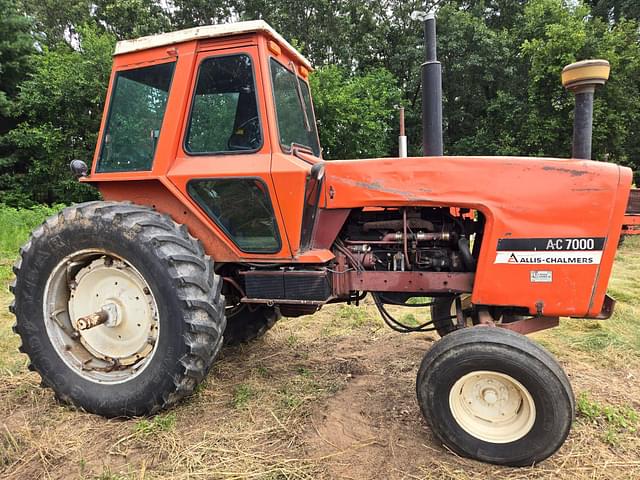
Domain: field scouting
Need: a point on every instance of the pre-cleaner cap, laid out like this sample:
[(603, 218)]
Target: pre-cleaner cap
[(586, 72)]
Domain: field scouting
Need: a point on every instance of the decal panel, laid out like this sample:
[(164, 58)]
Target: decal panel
[(550, 251)]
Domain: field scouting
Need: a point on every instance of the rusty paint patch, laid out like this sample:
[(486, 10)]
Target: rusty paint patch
[(378, 187), (571, 171)]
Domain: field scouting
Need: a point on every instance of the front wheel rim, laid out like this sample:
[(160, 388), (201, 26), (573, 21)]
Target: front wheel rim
[(492, 406), (92, 280)]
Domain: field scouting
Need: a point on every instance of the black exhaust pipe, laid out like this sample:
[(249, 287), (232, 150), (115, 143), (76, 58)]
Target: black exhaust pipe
[(431, 92), (582, 78)]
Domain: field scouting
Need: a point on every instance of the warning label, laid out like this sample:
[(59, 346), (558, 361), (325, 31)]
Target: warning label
[(541, 276)]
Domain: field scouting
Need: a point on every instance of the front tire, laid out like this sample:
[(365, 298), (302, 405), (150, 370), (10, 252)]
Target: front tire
[(495, 396), (166, 309)]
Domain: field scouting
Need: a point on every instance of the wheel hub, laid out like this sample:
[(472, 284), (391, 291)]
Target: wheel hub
[(131, 327), (492, 406)]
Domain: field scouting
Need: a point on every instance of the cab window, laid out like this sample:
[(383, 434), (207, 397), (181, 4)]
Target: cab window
[(224, 112), (296, 123), (242, 208), (136, 112)]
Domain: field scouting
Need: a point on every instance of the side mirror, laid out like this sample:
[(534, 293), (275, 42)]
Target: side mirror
[(78, 168)]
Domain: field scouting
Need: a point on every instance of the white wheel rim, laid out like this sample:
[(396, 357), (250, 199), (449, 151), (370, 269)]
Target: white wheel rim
[(89, 281), (112, 282), (492, 406)]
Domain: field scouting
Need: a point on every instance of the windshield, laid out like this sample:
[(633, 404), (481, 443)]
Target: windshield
[(290, 111), (137, 108)]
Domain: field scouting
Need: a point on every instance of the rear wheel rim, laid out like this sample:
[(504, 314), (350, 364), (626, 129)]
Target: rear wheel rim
[(492, 406), (93, 280)]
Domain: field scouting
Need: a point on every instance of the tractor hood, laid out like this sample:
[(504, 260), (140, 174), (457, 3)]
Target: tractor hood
[(532, 199)]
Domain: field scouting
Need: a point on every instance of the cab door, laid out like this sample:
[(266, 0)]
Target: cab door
[(223, 161)]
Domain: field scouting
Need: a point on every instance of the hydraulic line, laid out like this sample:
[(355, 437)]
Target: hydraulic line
[(397, 325)]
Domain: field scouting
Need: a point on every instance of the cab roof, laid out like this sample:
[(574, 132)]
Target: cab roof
[(207, 31)]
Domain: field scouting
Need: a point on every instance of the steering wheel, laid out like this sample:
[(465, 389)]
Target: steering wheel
[(249, 137)]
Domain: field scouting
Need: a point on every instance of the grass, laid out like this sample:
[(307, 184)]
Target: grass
[(157, 424), (616, 340), (614, 421), (241, 396), (15, 225), (321, 397)]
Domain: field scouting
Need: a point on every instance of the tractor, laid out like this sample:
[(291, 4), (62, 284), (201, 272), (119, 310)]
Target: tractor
[(219, 216)]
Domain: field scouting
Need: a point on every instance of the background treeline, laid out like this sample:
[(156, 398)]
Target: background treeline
[(501, 60)]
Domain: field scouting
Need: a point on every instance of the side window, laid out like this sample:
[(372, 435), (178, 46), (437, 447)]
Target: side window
[(224, 111), (136, 112), (242, 208), (296, 123)]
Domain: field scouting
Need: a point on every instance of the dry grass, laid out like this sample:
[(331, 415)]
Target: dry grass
[(328, 396)]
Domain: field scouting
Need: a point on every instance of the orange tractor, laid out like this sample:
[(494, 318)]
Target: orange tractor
[(219, 216)]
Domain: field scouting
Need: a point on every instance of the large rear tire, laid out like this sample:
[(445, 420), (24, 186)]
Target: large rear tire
[(494, 395), (249, 323), (165, 309), (443, 313)]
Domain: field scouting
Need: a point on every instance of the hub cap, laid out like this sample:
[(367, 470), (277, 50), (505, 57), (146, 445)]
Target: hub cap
[(121, 346), (492, 406), (130, 332)]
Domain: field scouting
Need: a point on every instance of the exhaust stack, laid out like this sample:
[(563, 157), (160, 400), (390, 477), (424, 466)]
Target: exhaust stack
[(431, 91), (582, 78), (402, 139)]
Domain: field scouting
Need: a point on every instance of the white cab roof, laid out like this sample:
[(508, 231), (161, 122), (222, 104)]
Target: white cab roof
[(206, 31)]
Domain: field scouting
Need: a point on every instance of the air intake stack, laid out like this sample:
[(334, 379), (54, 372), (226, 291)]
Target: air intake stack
[(582, 78), (431, 91)]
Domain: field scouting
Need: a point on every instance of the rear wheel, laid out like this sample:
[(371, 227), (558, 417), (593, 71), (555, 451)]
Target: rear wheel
[(443, 313), (118, 308), (495, 396), (246, 323)]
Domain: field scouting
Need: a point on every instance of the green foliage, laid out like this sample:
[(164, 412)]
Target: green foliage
[(16, 47), (615, 9), (132, 18), (242, 395), (501, 65), (355, 112), (159, 423), (60, 106), (612, 419), (16, 225)]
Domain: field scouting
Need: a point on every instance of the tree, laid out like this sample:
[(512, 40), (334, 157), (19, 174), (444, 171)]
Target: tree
[(501, 75), (16, 49), (56, 21), (356, 114), (131, 18), (61, 105), (615, 10)]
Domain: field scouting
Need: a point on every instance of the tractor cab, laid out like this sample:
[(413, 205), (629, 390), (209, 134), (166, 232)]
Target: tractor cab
[(216, 115)]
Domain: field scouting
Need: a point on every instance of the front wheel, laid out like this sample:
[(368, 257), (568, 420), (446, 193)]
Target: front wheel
[(495, 396), (118, 308)]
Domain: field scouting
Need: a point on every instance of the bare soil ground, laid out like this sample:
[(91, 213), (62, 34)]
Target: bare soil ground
[(328, 396)]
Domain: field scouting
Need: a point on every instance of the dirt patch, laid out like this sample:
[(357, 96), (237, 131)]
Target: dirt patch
[(331, 396)]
